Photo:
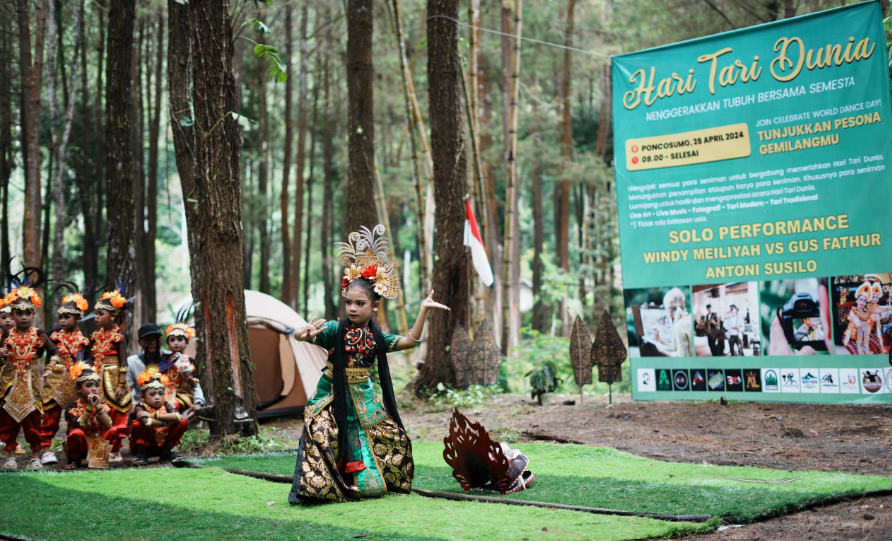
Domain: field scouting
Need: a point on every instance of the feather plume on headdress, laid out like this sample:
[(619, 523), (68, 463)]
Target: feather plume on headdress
[(365, 257), (181, 326), (114, 301), (23, 286)]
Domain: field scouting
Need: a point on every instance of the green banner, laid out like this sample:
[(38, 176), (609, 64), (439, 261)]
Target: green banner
[(753, 197)]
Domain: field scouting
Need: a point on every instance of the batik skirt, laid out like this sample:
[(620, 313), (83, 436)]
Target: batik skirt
[(376, 440)]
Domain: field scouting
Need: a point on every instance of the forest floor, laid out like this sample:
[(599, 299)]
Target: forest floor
[(795, 437)]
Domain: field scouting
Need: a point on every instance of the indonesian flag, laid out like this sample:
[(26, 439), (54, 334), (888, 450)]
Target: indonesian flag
[(475, 242)]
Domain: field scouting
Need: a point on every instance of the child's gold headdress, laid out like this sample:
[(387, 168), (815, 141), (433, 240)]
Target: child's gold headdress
[(365, 257)]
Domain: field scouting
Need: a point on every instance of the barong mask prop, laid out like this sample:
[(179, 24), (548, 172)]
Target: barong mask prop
[(365, 257), (23, 289), (479, 463)]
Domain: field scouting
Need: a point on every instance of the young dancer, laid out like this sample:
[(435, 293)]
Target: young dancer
[(353, 446), (109, 357), (156, 426), (183, 391), (20, 383), (59, 390), (88, 416)]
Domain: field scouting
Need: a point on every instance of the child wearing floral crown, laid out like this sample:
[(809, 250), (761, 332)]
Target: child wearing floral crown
[(21, 347), (59, 390), (156, 426), (109, 349), (90, 427), (354, 446), (183, 389)]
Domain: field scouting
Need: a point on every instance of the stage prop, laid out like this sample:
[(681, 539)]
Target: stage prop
[(479, 463), (475, 362)]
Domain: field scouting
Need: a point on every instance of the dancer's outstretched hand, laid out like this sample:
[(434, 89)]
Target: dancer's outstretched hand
[(312, 328), (429, 302)]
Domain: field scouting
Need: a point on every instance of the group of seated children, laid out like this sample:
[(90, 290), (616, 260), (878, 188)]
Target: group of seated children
[(91, 380)]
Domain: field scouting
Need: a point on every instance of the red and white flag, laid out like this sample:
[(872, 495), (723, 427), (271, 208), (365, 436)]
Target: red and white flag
[(475, 242)]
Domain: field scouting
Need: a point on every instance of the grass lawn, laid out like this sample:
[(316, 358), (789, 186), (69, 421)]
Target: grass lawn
[(604, 477), (177, 504)]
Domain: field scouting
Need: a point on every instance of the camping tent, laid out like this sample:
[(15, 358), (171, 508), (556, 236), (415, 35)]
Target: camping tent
[(286, 371)]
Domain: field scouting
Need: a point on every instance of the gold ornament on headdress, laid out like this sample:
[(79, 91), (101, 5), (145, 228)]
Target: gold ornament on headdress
[(365, 257), (77, 372), (152, 377), (863, 289)]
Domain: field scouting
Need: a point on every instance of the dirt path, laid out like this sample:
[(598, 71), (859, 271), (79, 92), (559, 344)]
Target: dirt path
[(851, 439)]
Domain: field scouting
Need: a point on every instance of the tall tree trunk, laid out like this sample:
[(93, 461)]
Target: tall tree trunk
[(511, 247), (309, 198), (301, 157), (179, 95), (62, 142), (219, 196), (493, 233), (139, 184), (6, 148), (563, 241), (328, 193), (450, 279), (286, 295), (31, 66), (506, 43), (99, 150), (360, 117), (119, 141), (539, 322), (262, 177), (418, 178), (152, 181), (86, 174)]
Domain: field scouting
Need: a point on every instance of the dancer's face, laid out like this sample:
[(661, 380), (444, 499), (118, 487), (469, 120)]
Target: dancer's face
[(359, 306), (104, 318), (6, 321), (861, 301), (153, 397), (87, 388), (68, 322), (177, 343), (23, 318)]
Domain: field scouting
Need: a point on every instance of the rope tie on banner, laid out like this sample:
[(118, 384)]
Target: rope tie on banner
[(558, 45)]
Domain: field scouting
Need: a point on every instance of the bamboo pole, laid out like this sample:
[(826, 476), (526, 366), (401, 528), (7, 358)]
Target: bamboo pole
[(422, 170), (509, 301), (399, 306)]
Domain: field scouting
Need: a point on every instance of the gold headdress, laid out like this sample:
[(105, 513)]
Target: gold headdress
[(152, 377), (181, 329), (863, 289), (5, 307), (22, 293), (365, 257), (73, 304)]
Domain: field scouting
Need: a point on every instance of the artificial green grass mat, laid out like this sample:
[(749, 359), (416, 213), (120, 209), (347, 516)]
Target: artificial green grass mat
[(209, 504), (604, 477)]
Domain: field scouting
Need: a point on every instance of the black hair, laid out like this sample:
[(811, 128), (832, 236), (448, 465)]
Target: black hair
[(365, 285), (708, 306)]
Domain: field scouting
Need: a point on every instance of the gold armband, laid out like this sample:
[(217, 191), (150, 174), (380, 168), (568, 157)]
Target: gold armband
[(123, 369), (179, 417), (149, 421)]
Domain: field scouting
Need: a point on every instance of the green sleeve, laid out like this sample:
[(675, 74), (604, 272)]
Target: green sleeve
[(326, 338), (391, 340)]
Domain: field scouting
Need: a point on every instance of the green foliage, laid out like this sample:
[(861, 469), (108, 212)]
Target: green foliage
[(543, 380), (473, 397), (199, 441)]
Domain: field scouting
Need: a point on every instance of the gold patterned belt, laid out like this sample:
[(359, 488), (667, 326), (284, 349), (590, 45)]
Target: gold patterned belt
[(354, 375)]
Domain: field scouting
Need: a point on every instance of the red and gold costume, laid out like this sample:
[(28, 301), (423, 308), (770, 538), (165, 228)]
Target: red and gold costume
[(19, 380), (107, 360), (156, 437), (180, 390), (85, 426)]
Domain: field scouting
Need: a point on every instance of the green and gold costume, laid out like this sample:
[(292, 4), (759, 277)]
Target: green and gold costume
[(380, 456)]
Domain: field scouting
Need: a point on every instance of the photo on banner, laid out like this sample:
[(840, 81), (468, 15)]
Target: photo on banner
[(794, 321), (658, 322), (862, 313), (726, 320)]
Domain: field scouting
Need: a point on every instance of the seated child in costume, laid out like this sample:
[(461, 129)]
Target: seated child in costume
[(156, 426), (183, 390), (87, 417)]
